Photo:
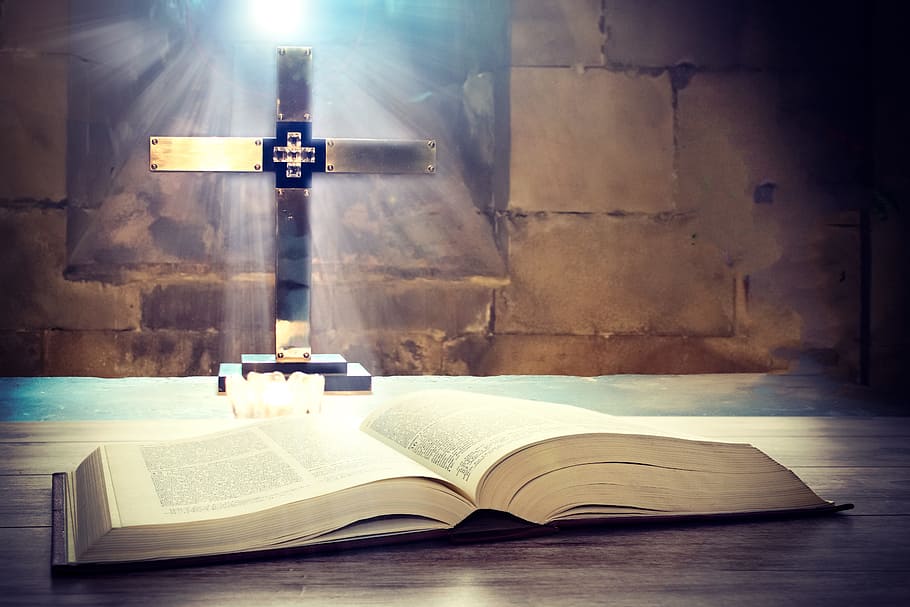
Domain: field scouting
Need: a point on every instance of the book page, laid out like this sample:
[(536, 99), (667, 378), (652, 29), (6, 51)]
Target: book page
[(247, 469), (461, 435)]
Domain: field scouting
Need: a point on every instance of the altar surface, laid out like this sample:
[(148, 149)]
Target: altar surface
[(847, 444)]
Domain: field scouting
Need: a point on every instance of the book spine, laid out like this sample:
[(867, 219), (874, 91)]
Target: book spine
[(58, 520)]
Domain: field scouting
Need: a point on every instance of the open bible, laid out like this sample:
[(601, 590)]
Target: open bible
[(418, 467)]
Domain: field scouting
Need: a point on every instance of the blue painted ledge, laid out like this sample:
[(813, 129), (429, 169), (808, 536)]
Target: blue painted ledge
[(89, 398)]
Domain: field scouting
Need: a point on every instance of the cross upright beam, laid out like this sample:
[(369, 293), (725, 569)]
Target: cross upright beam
[(293, 155)]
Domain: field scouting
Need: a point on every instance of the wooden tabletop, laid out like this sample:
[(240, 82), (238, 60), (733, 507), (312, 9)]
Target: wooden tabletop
[(851, 558)]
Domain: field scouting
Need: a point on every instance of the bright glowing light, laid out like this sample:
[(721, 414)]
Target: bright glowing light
[(278, 18), (270, 395)]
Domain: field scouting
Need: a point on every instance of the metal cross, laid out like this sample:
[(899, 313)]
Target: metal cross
[(293, 155)]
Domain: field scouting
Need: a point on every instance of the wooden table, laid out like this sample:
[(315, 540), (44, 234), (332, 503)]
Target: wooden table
[(858, 557)]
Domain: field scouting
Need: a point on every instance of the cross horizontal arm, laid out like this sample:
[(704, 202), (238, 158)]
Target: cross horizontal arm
[(293, 155), (380, 156), (225, 154), (300, 157)]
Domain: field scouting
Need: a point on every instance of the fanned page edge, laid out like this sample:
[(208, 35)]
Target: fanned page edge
[(705, 517), (568, 421), (60, 565)]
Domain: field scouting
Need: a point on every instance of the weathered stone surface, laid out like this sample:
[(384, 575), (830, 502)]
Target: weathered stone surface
[(739, 133), (667, 32), (183, 306), (597, 274), (36, 295), (556, 32), (602, 355), (386, 352), (615, 266), (241, 310), (237, 341), (591, 141), (435, 306), (362, 321), (124, 353), (392, 226), (38, 25), (171, 220), (245, 304), (33, 100), (20, 353), (248, 223), (731, 33), (730, 143), (250, 300), (804, 309), (32, 125)]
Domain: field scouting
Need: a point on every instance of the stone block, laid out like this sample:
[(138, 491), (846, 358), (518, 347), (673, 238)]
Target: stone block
[(764, 184), (807, 302), (183, 306), (125, 353), (556, 32), (20, 353), (524, 354), (591, 141), (402, 226), (33, 125), (236, 342), (171, 221), (407, 354), (732, 33), (87, 306), (248, 223), (602, 355), (39, 25), (668, 32), (192, 305), (33, 99), (37, 296), (385, 352), (448, 308), (769, 138), (249, 302), (599, 274), (246, 303), (730, 146)]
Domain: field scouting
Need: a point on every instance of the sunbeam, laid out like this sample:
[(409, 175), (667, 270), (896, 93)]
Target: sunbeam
[(193, 69)]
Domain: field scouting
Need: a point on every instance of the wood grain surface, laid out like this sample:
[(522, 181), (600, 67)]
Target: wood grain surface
[(852, 558)]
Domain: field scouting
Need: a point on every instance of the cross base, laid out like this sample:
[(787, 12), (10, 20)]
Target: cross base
[(340, 375)]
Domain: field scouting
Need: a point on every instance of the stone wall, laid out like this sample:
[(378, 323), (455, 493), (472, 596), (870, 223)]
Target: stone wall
[(632, 187), (112, 270), (681, 198)]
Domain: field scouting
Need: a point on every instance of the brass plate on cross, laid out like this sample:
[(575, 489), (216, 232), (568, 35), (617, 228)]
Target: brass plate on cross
[(229, 154), (380, 156), (295, 75), (289, 337)]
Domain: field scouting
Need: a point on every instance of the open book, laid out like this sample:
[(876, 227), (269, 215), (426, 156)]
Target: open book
[(421, 465)]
